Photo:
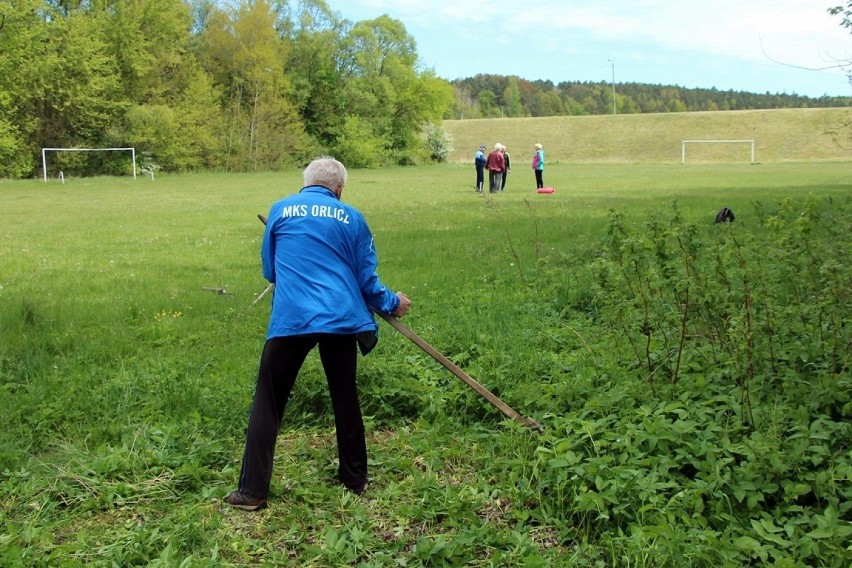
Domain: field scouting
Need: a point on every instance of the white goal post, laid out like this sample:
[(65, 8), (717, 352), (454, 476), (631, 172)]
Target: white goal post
[(683, 144), (45, 150)]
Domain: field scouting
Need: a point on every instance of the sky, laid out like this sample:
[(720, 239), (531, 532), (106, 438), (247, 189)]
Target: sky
[(757, 46)]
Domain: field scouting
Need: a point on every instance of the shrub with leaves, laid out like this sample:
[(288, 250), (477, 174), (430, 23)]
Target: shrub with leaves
[(723, 434), (438, 142)]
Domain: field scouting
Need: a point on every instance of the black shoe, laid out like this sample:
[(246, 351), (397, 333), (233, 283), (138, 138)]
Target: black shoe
[(246, 503), (358, 489)]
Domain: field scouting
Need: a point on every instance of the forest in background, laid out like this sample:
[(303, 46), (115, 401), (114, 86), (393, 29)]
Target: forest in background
[(260, 85), (497, 96)]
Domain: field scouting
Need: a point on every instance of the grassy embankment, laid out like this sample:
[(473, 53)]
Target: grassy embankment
[(784, 135)]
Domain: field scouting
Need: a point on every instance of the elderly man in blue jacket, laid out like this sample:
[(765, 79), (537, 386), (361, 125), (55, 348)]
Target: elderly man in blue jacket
[(318, 251)]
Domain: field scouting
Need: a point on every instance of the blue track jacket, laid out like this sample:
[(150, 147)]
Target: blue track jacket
[(318, 251)]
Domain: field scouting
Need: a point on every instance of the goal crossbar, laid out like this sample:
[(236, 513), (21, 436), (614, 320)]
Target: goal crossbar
[(45, 150), (683, 144)]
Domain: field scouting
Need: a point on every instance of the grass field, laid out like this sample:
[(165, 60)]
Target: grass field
[(780, 135), (127, 376)]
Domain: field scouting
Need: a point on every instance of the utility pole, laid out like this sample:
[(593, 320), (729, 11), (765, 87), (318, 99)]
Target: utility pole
[(613, 85)]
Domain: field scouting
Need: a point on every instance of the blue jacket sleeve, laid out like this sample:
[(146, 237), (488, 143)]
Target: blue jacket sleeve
[(375, 294), (267, 248)]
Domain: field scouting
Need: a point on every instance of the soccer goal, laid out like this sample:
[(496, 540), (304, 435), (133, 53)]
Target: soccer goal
[(683, 144), (44, 152)]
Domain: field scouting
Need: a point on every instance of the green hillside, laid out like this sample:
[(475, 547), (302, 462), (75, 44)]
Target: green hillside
[(783, 135)]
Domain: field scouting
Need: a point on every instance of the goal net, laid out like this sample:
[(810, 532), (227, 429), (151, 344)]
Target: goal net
[(727, 150), (44, 152)]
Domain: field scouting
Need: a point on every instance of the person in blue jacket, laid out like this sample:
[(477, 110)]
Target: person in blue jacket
[(479, 162), (319, 254)]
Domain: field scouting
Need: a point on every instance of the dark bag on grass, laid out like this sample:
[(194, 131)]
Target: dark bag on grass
[(725, 216)]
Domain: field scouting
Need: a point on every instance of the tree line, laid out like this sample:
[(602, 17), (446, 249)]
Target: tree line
[(495, 96), (251, 85)]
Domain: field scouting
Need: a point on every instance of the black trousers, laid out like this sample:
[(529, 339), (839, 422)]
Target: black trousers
[(539, 183), (279, 366)]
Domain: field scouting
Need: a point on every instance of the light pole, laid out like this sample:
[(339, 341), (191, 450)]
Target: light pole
[(613, 84)]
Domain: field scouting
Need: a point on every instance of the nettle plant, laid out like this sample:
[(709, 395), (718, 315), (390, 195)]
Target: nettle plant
[(717, 428), (731, 304)]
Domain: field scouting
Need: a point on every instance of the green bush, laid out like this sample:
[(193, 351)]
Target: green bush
[(725, 440)]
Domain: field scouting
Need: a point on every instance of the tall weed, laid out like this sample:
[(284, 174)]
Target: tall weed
[(725, 435)]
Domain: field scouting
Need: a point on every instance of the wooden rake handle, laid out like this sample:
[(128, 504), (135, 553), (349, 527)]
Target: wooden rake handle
[(454, 369)]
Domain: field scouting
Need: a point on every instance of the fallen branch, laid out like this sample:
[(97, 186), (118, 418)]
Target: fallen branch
[(220, 291)]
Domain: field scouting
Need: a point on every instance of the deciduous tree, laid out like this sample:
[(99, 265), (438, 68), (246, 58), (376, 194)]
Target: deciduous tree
[(74, 90), (21, 28), (512, 98), (245, 54), (388, 91)]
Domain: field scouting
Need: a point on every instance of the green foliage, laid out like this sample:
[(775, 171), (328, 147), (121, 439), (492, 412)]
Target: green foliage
[(393, 99), (75, 91), (247, 86), (727, 445), (845, 12), (153, 130), (13, 161), (512, 98), (20, 28), (147, 40), (358, 146)]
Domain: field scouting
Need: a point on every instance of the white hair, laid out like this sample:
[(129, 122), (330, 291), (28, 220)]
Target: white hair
[(325, 171)]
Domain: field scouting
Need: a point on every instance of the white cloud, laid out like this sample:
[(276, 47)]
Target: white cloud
[(799, 31), (571, 34)]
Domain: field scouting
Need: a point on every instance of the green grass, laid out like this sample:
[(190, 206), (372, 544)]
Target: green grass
[(126, 383), (780, 135)]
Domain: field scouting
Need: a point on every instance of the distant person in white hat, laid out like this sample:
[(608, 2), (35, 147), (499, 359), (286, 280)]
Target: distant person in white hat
[(495, 164)]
